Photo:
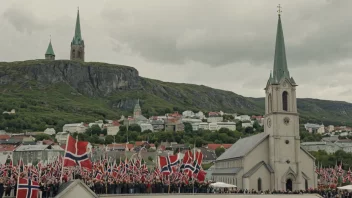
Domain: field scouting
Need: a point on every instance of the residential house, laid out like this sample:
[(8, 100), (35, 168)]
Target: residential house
[(330, 128), (209, 156), (50, 131), (113, 128), (229, 125), (214, 117), (75, 127), (61, 137), (12, 112), (243, 118), (247, 124), (35, 153), (188, 114), (146, 126), (314, 128)]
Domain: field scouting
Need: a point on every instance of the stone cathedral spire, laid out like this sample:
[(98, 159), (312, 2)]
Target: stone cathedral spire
[(77, 44), (49, 54)]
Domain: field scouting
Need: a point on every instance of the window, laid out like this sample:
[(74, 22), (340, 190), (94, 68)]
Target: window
[(73, 53), (306, 184), (259, 184), (269, 104), (79, 54), (284, 101)]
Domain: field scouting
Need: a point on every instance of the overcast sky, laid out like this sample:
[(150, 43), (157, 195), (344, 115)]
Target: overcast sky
[(225, 44)]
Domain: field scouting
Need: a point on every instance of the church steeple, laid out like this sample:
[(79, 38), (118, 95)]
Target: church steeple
[(77, 44), (49, 54), (77, 39), (280, 63)]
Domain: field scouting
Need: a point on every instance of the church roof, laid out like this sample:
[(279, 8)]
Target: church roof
[(256, 167), (226, 170), (243, 146), (50, 50), (77, 39)]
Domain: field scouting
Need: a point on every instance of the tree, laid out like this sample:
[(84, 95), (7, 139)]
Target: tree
[(122, 128), (220, 150), (249, 130), (43, 136), (224, 130), (188, 127), (109, 139), (95, 129), (135, 127)]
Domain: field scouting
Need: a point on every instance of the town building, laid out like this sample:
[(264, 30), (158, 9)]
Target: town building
[(273, 159), (243, 118), (36, 153), (61, 137), (12, 112), (75, 128), (50, 131), (314, 128), (214, 117)]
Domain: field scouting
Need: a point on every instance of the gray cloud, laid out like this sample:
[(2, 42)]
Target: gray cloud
[(23, 20), (317, 33)]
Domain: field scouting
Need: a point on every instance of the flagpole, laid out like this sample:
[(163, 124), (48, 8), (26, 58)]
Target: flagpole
[(18, 176), (194, 157), (63, 160)]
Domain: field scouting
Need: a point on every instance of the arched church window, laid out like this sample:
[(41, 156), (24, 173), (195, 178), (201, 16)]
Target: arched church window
[(259, 184), (306, 184), (79, 54), (73, 53), (285, 101), (269, 104)]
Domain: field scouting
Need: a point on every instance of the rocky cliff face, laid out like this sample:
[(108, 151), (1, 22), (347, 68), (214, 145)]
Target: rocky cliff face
[(99, 90), (92, 79)]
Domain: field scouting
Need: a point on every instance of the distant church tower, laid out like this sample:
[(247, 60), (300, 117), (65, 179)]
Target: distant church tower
[(137, 111), (49, 54), (77, 44), (282, 119)]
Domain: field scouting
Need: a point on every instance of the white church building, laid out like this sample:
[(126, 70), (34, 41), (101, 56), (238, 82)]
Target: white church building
[(274, 159)]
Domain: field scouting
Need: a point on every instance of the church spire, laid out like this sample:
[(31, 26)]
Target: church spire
[(280, 63), (49, 54), (78, 36)]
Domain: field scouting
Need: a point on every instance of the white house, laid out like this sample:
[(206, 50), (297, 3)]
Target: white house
[(213, 126), (188, 114), (50, 131), (247, 124), (228, 125), (61, 137), (113, 130), (243, 118), (146, 126), (200, 115), (204, 126), (74, 127), (13, 111)]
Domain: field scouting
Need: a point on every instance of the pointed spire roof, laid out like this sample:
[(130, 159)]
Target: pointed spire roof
[(50, 50), (77, 39), (280, 62)]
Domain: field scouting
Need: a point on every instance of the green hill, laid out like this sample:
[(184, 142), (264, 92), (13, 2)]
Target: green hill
[(52, 93)]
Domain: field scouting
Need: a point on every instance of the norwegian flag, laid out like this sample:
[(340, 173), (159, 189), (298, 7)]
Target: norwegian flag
[(27, 188), (166, 164), (76, 154)]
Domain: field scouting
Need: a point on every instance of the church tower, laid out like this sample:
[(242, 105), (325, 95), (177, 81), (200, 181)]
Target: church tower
[(77, 44), (49, 54), (282, 120), (137, 111)]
